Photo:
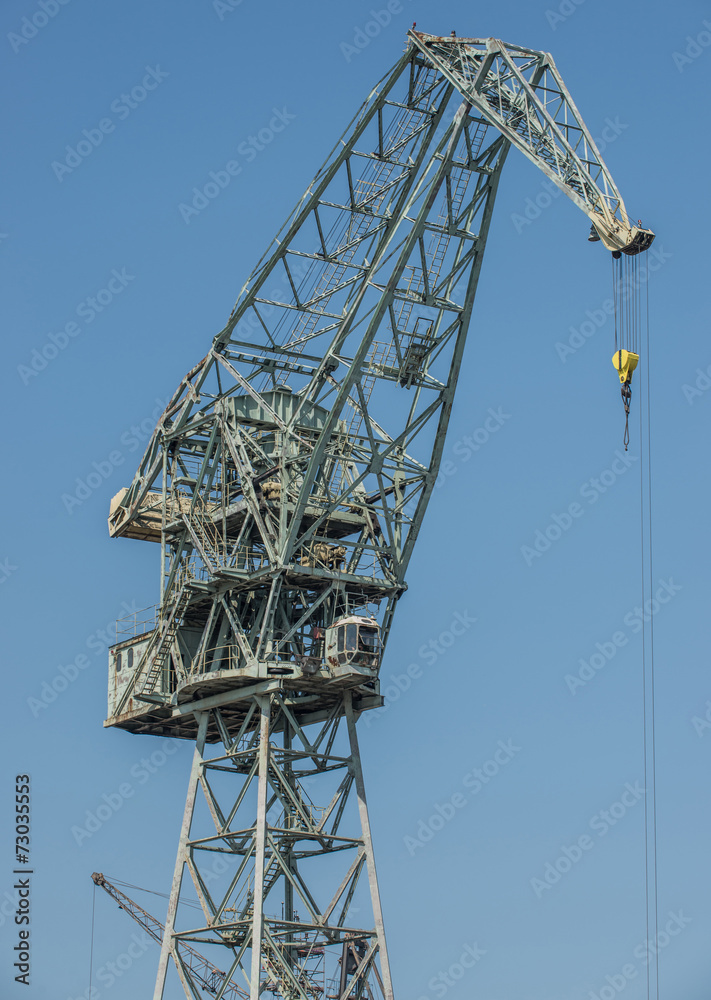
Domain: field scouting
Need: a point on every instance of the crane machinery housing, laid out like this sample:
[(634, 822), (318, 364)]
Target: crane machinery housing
[(286, 484)]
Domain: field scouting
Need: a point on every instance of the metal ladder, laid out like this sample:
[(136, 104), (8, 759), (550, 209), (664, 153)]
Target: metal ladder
[(205, 533), (358, 226), (165, 641)]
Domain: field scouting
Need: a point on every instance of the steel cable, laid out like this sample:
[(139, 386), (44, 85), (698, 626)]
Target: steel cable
[(648, 682), (91, 950)]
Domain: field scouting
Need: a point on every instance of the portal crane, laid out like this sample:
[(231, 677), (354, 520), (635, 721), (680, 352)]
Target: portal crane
[(193, 963), (286, 483)]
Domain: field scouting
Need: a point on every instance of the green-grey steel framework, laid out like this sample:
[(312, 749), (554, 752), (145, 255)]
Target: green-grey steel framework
[(286, 483)]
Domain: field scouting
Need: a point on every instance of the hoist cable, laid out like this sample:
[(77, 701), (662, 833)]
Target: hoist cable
[(164, 895), (648, 682), (644, 706), (614, 300), (624, 293), (91, 949), (651, 647), (634, 312)]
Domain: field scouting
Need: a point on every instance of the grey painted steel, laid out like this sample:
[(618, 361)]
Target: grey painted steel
[(258, 788), (287, 482), (168, 943), (260, 847), (368, 844)]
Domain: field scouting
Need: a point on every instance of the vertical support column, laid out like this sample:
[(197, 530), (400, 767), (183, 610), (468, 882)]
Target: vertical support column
[(288, 954), (167, 945), (260, 839), (368, 845), (164, 521)]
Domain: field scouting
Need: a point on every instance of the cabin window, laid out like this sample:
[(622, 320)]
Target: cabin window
[(341, 638), (129, 658), (118, 662), (368, 639), (351, 637)]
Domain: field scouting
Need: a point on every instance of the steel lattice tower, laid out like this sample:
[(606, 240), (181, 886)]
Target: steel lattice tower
[(286, 483)]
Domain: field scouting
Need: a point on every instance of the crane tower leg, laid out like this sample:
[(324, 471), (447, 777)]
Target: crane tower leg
[(167, 943)]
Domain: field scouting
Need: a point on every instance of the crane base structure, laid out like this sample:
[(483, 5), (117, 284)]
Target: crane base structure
[(273, 772), (286, 484)]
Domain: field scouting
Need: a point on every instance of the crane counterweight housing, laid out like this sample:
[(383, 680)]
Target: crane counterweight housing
[(286, 483)]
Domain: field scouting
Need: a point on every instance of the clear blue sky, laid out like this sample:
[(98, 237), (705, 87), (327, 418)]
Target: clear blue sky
[(100, 263)]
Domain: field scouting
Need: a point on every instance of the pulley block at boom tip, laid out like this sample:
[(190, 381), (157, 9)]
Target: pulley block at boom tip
[(637, 241)]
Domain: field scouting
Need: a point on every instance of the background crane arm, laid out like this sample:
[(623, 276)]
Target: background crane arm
[(203, 971)]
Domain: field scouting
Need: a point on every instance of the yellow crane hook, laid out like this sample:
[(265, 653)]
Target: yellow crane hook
[(625, 363)]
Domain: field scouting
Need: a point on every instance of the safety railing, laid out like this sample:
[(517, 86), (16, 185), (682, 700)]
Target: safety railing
[(136, 623), (225, 657)]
